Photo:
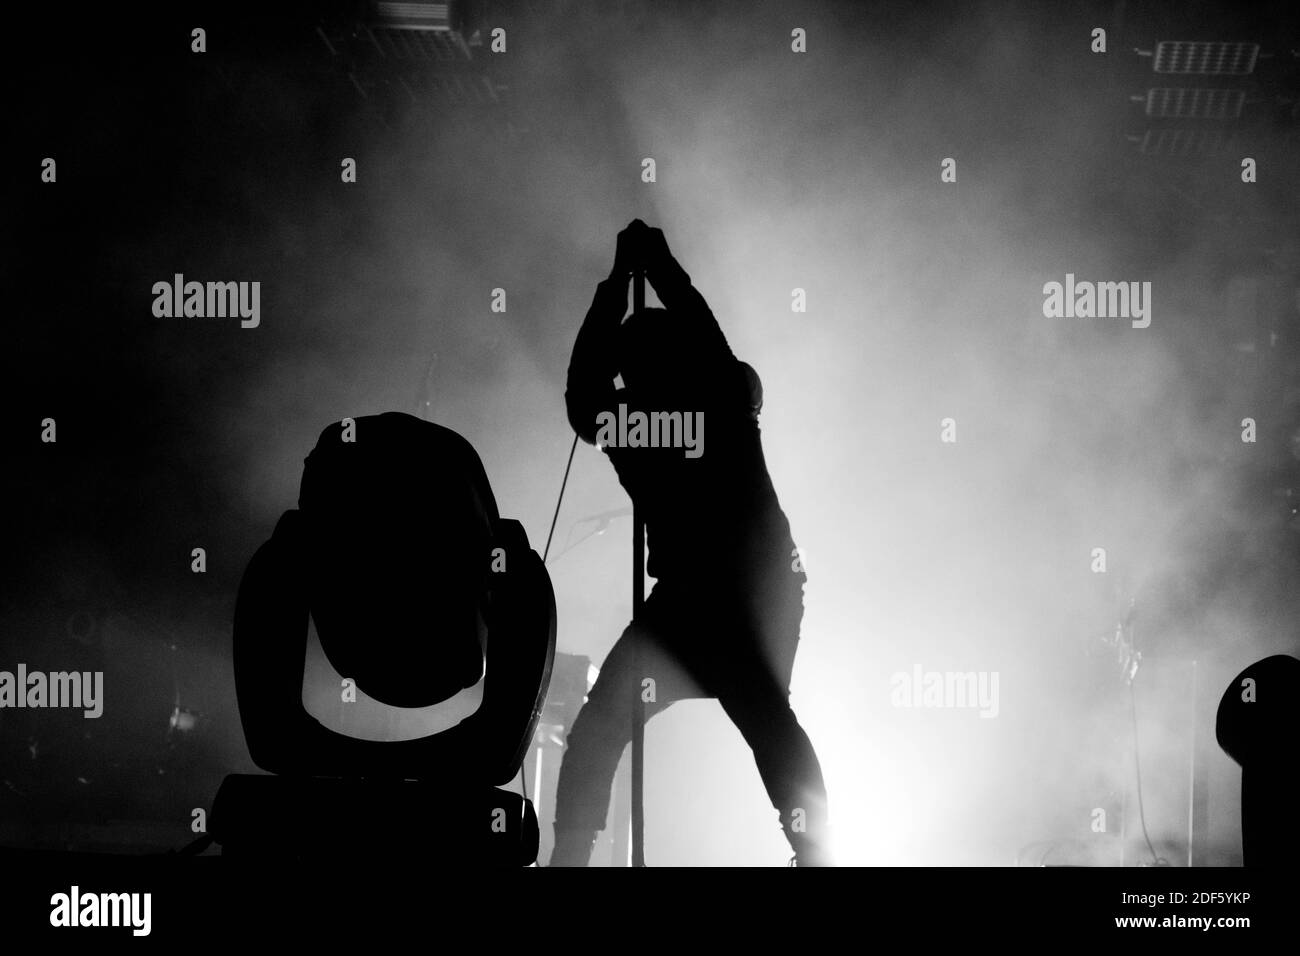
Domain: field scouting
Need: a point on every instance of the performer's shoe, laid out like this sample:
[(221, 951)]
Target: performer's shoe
[(809, 850), (810, 857)]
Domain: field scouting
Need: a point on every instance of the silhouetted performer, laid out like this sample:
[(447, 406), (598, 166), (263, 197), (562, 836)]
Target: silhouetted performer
[(728, 599)]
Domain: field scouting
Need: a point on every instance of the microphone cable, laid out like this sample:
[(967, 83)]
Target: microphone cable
[(558, 501), (523, 773)]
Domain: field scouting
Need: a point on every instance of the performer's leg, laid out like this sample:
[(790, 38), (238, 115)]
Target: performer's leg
[(787, 762), (742, 675), (595, 744)]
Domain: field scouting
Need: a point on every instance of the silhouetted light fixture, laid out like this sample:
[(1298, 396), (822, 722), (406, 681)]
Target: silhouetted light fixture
[(1185, 142), (411, 15), (1205, 58), (1168, 102)]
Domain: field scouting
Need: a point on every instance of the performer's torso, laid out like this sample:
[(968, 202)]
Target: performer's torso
[(717, 514)]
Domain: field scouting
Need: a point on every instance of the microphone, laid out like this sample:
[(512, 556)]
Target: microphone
[(602, 520), (605, 517)]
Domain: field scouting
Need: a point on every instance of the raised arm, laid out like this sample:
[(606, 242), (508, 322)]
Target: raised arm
[(673, 286), (594, 363)]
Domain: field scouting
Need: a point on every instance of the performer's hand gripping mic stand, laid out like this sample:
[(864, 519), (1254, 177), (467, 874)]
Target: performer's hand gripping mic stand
[(638, 604)]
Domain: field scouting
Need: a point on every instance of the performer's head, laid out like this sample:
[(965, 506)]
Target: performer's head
[(662, 358), (659, 353)]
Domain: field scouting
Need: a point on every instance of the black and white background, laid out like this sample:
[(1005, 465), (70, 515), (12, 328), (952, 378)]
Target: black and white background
[(776, 170)]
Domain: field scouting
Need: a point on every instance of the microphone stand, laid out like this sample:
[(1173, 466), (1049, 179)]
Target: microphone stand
[(638, 604)]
